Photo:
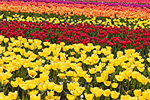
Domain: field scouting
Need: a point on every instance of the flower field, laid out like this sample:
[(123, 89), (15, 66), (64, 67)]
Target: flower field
[(75, 50)]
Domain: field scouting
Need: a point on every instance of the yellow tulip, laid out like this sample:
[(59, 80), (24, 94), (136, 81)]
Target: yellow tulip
[(141, 98), (119, 78), (89, 96), (99, 79), (104, 60), (70, 73), (6, 40), (107, 83), (149, 69), (34, 97), (96, 91), (70, 97), (62, 75), (92, 71), (114, 94), (58, 88), (32, 73), (33, 92), (114, 85), (106, 92), (12, 95), (137, 93), (14, 84)]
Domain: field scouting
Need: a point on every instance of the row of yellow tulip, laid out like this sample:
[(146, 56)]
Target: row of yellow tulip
[(131, 23), (41, 70)]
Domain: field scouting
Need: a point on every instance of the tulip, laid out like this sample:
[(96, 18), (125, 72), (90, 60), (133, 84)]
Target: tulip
[(137, 93)]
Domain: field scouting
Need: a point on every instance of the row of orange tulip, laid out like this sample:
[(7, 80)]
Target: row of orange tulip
[(72, 9)]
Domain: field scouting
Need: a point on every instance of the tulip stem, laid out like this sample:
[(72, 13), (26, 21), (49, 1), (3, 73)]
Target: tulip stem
[(128, 86), (23, 95), (119, 87), (96, 98)]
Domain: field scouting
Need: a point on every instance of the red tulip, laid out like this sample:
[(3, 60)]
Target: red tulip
[(52, 37)]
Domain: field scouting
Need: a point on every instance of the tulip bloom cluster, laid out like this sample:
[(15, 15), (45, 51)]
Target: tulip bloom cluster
[(118, 38), (67, 51), (131, 23), (124, 1), (66, 10), (35, 70), (94, 3)]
